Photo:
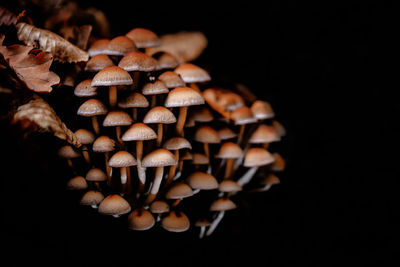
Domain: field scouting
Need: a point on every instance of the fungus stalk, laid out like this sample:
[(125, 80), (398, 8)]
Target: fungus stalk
[(215, 223), (141, 170), (112, 95), (202, 232), (229, 167), (181, 120), (172, 169), (95, 124), (246, 178), (159, 134), (156, 185)]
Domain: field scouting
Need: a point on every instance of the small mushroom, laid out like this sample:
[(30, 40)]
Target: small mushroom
[(134, 100), (120, 46), (202, 181), (262, 110), (98, 62), (268, 181), (114, 205), (165, 60), (226, 133), (200, 159), (202, 223), (85, 89), (86, 138), (154, 88), (92, 198), (104, 144), (117, 118), (230, 152), (123, 160), (176, 221), (242, 116), (159, 207), (279, 163), (264, 134), (98, 47), (220, 205), (175, 144), (143, 38), (159, 115), (192, 74), (178, 191), (229, 186), (171, 79), (96, 175), (92, 108), (279, 128), (140, 220), (77, 183), (69, 153), (206, 135)]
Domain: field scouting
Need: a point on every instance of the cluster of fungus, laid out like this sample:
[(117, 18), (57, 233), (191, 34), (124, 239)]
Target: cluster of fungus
[(155, 132)]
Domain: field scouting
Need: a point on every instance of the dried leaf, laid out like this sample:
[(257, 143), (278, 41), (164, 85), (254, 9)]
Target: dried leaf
[(78, 36), (7, 17), (37, 115), (61, 49)]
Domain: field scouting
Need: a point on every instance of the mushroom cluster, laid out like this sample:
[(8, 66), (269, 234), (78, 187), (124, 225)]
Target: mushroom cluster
[(156, 132)]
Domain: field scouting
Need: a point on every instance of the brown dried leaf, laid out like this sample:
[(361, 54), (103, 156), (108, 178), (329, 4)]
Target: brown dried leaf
[(7, 17), (61, 49), (37, 115)]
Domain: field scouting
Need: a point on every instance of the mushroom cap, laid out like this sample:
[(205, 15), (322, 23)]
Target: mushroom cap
[(92, 197), (139, 132), (117, 118), (114, 205), (202, 223), (171, 79), (206, 134), (99, 47), (85, 89), (120, 46), (140, 219), (96, 175), (103, 144), (264, 134), (202, 114), (270, 179), (159, 114), (222, 204), (68, 152), (77, 183), (187, 156), (200, 159), (165, 60), (257, 156), (176, 143), (226, 133), (134, 100), (179, 190), (138, 61), (85, 137), (191, 73), (279, 128), (229, 186), (202, 181), (159, 158), (122, 159), (98, 62), (230, 150), (159, 206), (176, 221), (262, 110), (143, 38), (278, 164), (243, 115), (154, 88), (110, 76), (92, 107), (183, 97)]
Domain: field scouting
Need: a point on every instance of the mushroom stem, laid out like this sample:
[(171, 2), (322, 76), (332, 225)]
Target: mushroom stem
[(153, 101), (245, 179), (112, 95), (265, 145), (124, 175), (118, 134), (181, 120), (95, 125), (194, 86), (108, 168), (228, 168), (134, 114), (85, 154), (70, 163), (206, 150), (241, 133), (180, 165), (156, 185), (159, 133), (202, 232), (135, 78), (172, 170), (176, 202), (141, 170), (215, 223)]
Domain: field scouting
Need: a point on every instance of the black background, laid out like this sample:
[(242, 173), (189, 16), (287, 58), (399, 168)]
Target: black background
[(327, 70)]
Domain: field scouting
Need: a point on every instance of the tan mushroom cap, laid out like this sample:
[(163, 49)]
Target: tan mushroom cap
[(159, 114), (92, 107), (139, 132), (202, 114), (206, 134), (176, 143), (176, 221), (226, 133), (85, 137), (77, 183), (202, 223), (278, 164), (270, 179), (165, 60), (143, 38), (187, 156), (68, 152), (85, 89), (264, 134), (171, 79), (120, 46), (202, 181), (98, 62), (179, 190), (200, 159), (99, 47), (134, 100), (117, 118), (140, 220), (183, 97), (122, 159), (158, 158), (230, 150), (159, 206), (96, 175), (191, 73), (103, 144), (154, 88), (262, 110), (138, 61), (279, 128), (257, 156), (114, 205), (229, 186), (243, 115), (222, 204), (110, 76), (92, 197)]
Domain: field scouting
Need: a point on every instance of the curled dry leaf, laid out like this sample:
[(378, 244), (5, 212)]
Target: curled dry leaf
[(37, 115), (61, 49)]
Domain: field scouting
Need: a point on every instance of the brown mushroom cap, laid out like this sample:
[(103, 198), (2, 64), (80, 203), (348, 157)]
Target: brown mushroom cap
[(159, 206), (191, 73), (159, 114), (85, 137), (176, 221), (222, 204), (270, 179), (202, 114), (77, 183), (99, 47), (202, 181), (96, 175), (264, 134), (139, 132), (92, 107), (165, 60), (230, 150), (158, 158), (279, 128), (92, 197), (187, 156), (243, 115), (278, 164), (134, 100), (183, 97), (229, 186), (176, 143), (117, 118), (120, 46), (98, 62), (257, 156), (143, 38), (114, 205), (262, 110), (138, 61), (103, 144), (154, 88), (140, 219), (110, 76), (202, 223), (85, 89), (171, 79), (179, 190), (68, 152), (122, 159), (226, 133), (206, 134), (200, 159)]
